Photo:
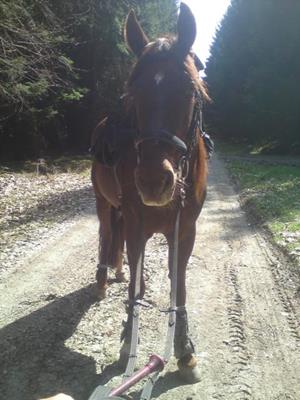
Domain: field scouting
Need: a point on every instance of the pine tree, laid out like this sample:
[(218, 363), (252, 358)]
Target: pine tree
[(253, 73), (63, 65)]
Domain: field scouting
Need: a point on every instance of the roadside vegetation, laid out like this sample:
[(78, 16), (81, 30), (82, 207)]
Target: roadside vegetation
[(270, 190)]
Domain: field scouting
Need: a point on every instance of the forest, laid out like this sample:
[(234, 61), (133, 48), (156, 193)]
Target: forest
[(253, 75), (63, 65)]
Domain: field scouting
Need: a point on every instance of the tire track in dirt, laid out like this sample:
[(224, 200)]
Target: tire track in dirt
[(237, 339), (287, 305), (277, 270)]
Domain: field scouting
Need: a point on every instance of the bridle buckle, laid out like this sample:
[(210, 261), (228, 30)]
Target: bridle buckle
[(183, 168)]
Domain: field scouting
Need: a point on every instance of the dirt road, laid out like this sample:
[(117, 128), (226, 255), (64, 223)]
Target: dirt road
[(243, 306)]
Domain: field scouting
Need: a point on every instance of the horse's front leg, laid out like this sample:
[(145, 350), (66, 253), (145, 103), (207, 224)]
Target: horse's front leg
[(183, 346), (103, 212), (135, 244), (117, 245)]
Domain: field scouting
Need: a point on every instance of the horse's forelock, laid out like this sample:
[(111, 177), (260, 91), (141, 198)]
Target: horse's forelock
[(160, 45), (164, 48), (155, 51)]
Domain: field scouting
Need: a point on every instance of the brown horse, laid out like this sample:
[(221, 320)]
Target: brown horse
[(161, 96)]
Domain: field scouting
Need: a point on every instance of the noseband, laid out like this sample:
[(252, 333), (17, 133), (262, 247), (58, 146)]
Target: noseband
[(162, 135)]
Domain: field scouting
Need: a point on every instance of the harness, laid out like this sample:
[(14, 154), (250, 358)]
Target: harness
[(185, 148)]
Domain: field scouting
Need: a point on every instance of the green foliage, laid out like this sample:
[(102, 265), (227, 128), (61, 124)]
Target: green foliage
[(63, 65), (74, 94), (29, 48), (253, 73)]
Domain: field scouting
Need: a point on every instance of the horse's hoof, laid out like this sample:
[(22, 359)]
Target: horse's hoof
[(120, 277), (100, 292), (189, 371), (124, 355)]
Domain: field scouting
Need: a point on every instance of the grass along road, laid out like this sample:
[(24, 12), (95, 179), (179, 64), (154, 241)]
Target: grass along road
[(270, 190)]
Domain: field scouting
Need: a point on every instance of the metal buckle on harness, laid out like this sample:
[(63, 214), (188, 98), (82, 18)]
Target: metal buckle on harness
[(168, 310), (183, 168), (139, 302)]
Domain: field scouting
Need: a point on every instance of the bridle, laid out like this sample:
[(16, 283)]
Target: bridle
[(184, 148)]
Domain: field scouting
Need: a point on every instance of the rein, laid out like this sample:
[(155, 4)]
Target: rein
[(172, 310)]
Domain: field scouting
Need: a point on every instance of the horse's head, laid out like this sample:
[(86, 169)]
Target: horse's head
[(163, 89)]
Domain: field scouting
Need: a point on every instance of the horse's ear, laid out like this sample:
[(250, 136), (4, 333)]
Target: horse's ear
[(186, 28), (135, 37)]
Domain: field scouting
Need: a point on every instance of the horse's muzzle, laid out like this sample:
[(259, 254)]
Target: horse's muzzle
[(155, 188)]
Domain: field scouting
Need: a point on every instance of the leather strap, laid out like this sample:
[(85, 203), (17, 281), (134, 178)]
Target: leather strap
[(162, 136), (135, 312), (147, 390)]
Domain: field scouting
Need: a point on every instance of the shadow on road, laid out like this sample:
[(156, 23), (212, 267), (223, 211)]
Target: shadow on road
[(166, 383), (34, 360)]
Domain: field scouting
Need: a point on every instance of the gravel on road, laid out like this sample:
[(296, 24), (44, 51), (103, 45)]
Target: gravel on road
[(243, 303)]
